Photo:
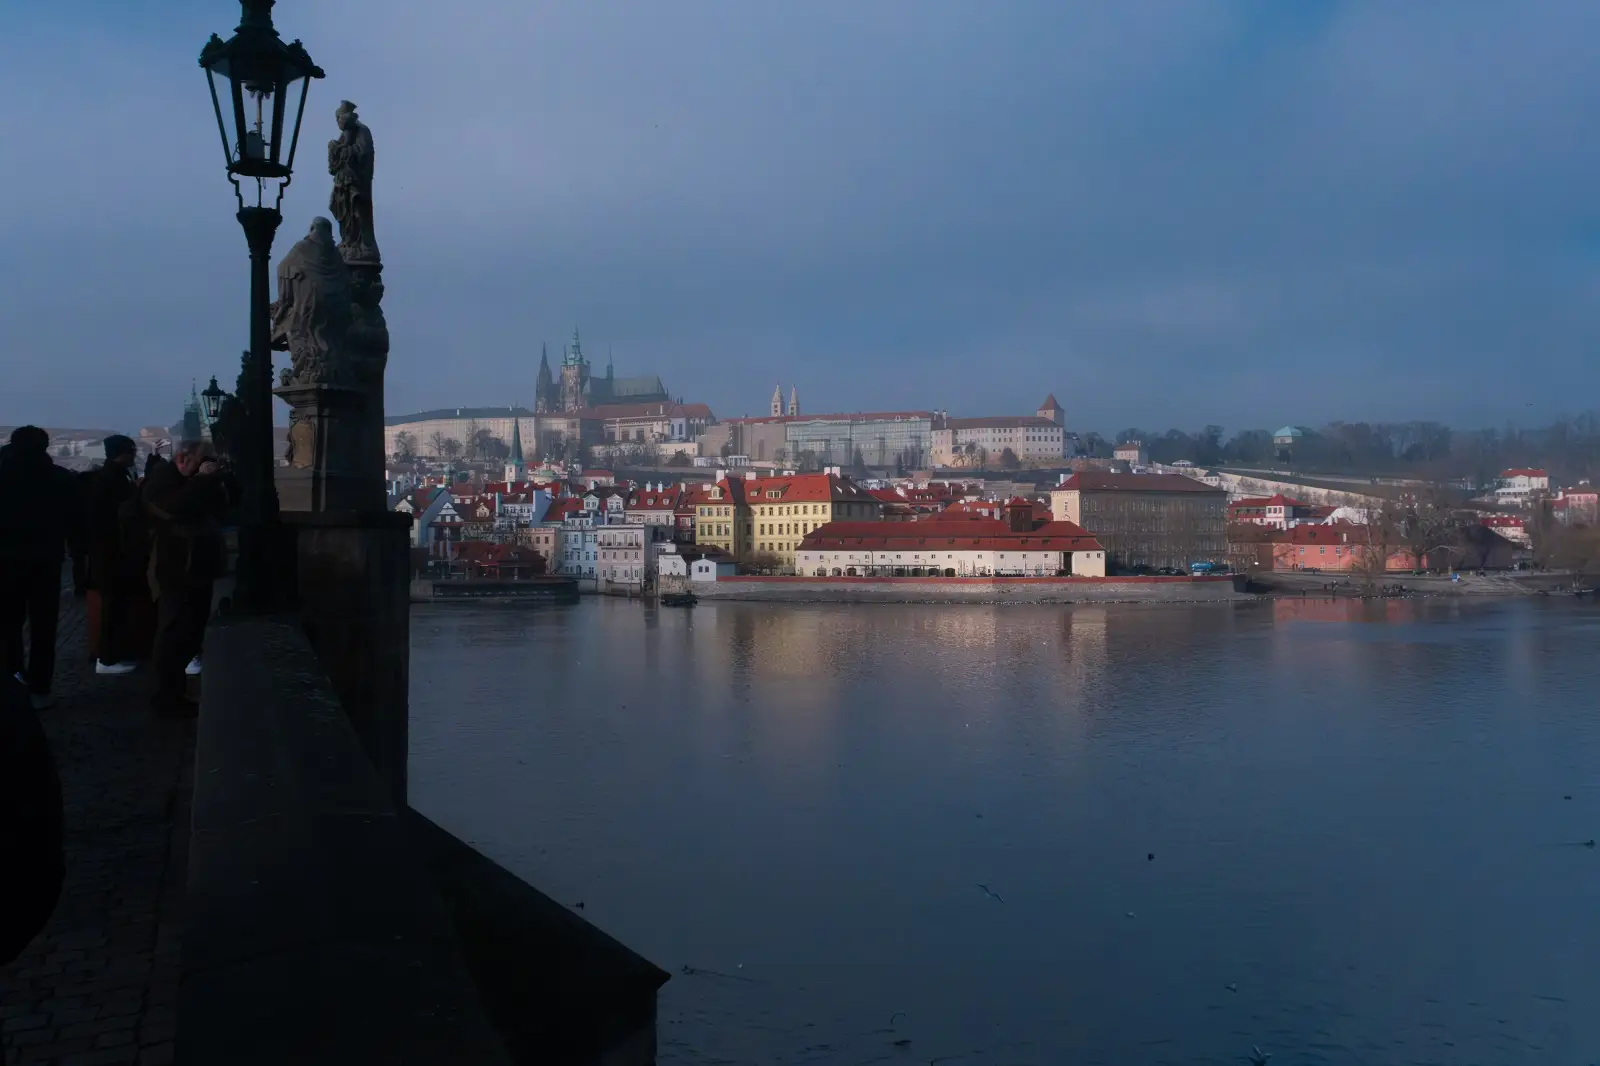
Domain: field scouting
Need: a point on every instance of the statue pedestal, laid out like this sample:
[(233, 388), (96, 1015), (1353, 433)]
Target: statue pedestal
[(327, 469)]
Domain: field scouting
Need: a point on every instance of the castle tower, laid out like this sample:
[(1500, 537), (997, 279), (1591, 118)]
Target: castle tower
[(777, 400), (1052, 410), (794, 400)]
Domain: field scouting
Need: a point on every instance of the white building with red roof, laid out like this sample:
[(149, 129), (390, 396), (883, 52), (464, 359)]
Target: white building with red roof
[(1520, 484), (979, 442), (1277, 511), (1510, 527), (961, 548)]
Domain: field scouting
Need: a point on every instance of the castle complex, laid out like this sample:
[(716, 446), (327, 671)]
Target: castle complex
[(578, 389)]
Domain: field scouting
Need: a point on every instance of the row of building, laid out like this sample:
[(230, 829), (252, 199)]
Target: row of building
[(591, 525), (579, 414)]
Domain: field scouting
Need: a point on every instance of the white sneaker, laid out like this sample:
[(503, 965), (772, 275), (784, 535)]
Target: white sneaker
[(193, 669), (115, 668)]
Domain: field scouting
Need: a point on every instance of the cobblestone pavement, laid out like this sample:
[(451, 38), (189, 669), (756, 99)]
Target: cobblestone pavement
[(100, 985)]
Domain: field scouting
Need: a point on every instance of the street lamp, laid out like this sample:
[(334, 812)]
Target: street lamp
[(259, 71), (211, 402)]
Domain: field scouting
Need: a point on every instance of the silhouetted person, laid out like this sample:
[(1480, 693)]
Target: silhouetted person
[(183, 502), (41, 515), (117, 557), (30, 823)]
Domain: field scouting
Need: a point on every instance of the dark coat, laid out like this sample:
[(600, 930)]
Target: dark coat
[(31, 832), (43, 509), (184, 515), (117, 554)]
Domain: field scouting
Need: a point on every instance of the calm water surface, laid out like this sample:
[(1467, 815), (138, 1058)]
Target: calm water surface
[(1363, 853)]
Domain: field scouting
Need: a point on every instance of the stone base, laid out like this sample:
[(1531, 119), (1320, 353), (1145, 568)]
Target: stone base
[(352, 576), (327, 436)]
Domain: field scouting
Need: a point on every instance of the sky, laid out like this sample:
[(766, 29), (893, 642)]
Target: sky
[(1165, 213)]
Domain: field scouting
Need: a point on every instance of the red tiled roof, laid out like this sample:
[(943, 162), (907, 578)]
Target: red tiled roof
[(1096, 481), (1050, 403), (655, 500), (969, 535), (802, 488), (1524, 472), (564, 506)]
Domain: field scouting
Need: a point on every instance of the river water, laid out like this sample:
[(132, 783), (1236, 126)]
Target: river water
[(1366, 821)]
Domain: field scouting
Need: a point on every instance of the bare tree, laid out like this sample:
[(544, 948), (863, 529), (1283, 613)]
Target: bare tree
[(405, 446), (1009, 460), (449, 447), (1378, 538), (436, 441)]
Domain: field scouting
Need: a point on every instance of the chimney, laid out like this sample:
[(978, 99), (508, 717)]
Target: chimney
[(1021, 518)]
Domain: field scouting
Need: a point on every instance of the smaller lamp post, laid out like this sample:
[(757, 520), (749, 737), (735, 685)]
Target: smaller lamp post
[(259, 71), (211, 402)]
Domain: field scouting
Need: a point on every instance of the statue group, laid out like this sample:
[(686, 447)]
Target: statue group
[(329, 318), (328, 315)]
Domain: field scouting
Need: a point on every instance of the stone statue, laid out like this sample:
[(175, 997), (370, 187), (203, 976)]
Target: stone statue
[(350, 163), (312, 314)]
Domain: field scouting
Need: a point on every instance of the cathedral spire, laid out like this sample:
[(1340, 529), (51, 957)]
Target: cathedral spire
[(794, 400), (777, 400)]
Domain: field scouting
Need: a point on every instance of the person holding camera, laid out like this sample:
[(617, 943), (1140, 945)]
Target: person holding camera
[(184, 502)]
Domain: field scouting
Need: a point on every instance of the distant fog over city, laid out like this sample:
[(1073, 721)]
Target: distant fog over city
[(1165, 214)]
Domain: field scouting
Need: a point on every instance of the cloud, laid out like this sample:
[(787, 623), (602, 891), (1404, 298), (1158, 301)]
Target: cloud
[(894, 204)]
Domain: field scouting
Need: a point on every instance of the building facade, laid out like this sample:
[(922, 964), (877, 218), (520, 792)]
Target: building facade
[(1146, 520), (620, 556), (980, 442), (879, 439), (783, 510), (1131, 452), (722, 519), (965, 548), (1521, 485)]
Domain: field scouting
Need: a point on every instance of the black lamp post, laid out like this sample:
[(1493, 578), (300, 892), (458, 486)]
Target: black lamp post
[(211, 402), (260, 71)]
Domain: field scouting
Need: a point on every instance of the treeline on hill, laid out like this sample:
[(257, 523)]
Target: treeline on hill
[(1569, 448)]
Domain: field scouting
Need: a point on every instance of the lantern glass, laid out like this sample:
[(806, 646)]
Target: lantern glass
[(211, 400), (252, 76)]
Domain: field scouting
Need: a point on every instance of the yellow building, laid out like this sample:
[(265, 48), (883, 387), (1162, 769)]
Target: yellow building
[(721, 518), (784, 509), (764, 518)]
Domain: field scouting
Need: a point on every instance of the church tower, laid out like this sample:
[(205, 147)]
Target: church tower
[(777, 400), (516, 466), (794, 400), (574, 377), (544, 394)]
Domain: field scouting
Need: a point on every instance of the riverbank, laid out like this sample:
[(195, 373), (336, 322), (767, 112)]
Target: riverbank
[(971, 589), (1497, 583)]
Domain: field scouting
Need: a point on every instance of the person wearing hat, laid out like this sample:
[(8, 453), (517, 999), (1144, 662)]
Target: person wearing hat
[(116, 557)]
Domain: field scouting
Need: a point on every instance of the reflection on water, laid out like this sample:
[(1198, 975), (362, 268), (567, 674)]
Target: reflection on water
[(1362, 850)]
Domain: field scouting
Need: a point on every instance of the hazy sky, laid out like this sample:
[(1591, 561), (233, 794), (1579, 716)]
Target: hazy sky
[(1165, 213)]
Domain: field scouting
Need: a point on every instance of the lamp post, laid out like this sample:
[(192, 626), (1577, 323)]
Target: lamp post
[(211, 403), (259, 70)]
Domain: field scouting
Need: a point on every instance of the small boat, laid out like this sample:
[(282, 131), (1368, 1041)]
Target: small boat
[(679, 599)]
